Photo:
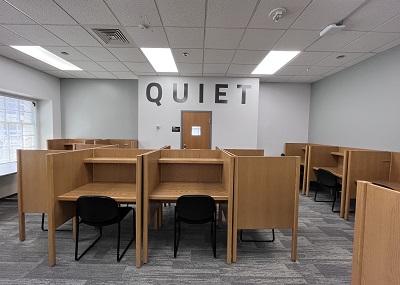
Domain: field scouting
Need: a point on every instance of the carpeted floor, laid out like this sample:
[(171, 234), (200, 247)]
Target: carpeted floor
[(324, 254)]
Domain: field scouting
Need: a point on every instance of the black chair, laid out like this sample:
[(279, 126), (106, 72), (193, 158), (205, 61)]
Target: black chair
[(195, 209), (100, 211), (327, 181)]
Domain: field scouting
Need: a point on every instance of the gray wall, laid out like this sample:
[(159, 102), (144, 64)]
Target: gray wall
[(360, 106), (283, 113), (99, 108)]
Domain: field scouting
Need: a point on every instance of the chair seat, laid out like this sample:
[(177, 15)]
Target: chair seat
[(122, 213)]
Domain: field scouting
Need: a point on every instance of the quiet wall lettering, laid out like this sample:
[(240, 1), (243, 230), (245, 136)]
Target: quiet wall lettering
[(220, 93)]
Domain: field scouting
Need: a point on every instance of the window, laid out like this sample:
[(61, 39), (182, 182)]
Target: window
[(17, 127), (196, 131)]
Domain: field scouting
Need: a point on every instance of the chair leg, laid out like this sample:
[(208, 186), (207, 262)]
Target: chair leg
[(89, 247), (214, 230), (315, 198), (45, 230), (177, 236), (175, 247), (334, 202), (119, 257), (257, 240)]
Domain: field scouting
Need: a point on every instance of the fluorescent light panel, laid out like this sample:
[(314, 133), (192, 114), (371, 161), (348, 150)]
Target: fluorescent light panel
[(161, 59), (44, 55), (274, 61)]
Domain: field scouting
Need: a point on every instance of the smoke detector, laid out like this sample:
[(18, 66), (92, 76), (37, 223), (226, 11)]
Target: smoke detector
[(277, 14), (334, 28)]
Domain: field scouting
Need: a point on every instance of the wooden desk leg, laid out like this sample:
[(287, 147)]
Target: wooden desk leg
[(145, 230), (73, 228), (343, 202), (294, 243), (229, 233), (51, 240), (21, 220), (347, 207), (138, 235)]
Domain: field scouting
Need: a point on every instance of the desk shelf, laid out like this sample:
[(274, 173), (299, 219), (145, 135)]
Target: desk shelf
[(170, 191), (335, 153), (121, 192), (338, 172), (167, 160), (111, 160)]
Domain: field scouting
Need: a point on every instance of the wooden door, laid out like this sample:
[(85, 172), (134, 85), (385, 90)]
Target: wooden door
[(196, 129)]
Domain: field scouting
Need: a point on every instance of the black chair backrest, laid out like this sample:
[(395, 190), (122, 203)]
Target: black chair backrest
[(96, 209), (326, 178), (195, 208)]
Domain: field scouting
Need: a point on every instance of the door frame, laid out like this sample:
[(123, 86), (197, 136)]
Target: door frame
[(196, 111)]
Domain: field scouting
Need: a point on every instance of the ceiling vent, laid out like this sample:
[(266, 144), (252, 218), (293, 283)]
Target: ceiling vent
[(112, 37)]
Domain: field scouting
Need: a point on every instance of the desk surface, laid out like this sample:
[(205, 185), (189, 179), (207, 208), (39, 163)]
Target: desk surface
[(121, 192), (334, 170), (116, 160), (191, 160), (388, 184), (170, 191)]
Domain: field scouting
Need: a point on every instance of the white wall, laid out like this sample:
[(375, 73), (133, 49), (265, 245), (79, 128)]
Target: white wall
[(99, 108), (283, 115), (359, 106), (19, 80), (233, 124)]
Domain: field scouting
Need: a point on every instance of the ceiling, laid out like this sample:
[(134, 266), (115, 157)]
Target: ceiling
[(222, 37)]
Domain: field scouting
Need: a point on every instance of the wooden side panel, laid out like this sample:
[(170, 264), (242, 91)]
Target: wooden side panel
[(246, 152), (139, 210), (121, 143), (379, 241), (295, 149), (191, 173), (266, 192), (66, 172), (118, 152), (305, 167), (395, 167), (60, 144), (319, 155), (191, 153)]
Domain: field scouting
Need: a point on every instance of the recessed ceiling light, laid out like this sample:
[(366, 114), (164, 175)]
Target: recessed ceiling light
[(47, 57), (274, 61), (340, 56), (161, 59)]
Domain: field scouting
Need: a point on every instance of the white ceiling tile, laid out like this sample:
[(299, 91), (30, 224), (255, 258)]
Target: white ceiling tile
[(218, 55), (182, 13), (241, 68), (294, 70), (113, 65), (229, 13), (89, 12), (73, 54), (10, 15), (189, 68), (387, 46), (125, 75), (249, 56), (321, 13), (135, 12), (304, 79), (275, 78), (88, 65), (214, 74), (44, 11), (215, 67), (128, 54), (59, 73), (36, 34), (359, 59), (191, 74), (332, 59), (219, 38), (97, 53), (151, 38), (40, 65), (8, 37), (334, 42), (185, 37), (139, 67), (262, 20), (372, 14), (309, 58), (259, 39), (371, 41), (103, 74), (13, 53), (81, 74), (194, 55), (146, 73), (73, 35), (296, 40), (391, 26)]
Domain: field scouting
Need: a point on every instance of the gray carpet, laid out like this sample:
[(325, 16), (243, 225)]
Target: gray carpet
[(324, 254)]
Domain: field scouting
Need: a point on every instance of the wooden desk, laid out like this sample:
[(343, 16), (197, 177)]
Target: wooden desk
[(190, 160), (121, 192), (171, 191), (338, 172), (388, 184), (114, 160), (336, 153)]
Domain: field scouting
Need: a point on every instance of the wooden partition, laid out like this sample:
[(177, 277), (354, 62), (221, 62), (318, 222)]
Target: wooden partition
[(376, 247), (121, 143), (245, 152), (266, 195), (169, 174), (70, 144), (64, 144), (299, 149)]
